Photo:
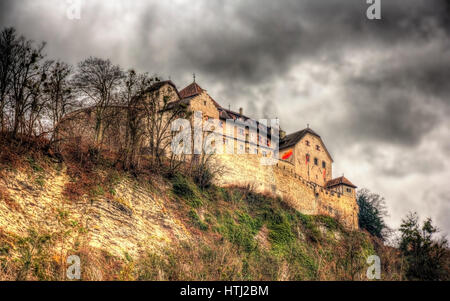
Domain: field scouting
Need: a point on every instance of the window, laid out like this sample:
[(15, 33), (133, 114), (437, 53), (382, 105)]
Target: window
[(242, 147), (349, 190), (316, 162), (264, 153), (241, 131), (318, 147), (204, 102), (324, 164), (307, 142), (307, 158)]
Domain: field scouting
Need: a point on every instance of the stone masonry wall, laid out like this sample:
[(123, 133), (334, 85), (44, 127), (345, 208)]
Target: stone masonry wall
[(281, 180)]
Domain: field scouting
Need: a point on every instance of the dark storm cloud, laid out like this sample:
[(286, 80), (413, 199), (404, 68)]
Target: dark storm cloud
[(257, 40)]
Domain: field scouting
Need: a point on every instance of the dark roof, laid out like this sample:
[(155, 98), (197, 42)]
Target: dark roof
[(158, 85), (235, 115), (292, 139), (340, 181)]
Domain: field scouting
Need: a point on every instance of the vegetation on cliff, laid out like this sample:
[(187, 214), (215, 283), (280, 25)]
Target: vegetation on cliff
[(231, 233)]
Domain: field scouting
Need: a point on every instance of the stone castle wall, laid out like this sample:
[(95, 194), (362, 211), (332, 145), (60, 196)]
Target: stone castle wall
[(282, 180)]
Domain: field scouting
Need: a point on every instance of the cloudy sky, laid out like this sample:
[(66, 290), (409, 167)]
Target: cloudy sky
[(377, 91)]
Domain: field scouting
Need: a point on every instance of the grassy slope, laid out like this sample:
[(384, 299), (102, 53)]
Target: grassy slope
[(235, 235)]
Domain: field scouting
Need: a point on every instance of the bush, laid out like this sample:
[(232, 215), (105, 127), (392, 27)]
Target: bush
[(329, 222), (197, 221), (242, 233), (203, 176), (183, 188)]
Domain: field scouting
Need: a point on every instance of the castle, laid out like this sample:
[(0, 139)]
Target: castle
[(301, 175)]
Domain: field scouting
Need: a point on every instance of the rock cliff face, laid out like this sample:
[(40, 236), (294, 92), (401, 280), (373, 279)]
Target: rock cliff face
[(132, 220), (152, 228)]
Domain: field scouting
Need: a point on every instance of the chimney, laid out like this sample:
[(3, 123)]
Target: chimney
[(241, 111)]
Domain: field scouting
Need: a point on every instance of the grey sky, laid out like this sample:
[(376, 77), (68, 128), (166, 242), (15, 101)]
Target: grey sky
[(378, 92)]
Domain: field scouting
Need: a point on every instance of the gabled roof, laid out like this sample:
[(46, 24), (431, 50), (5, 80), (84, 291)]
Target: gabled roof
[(340, 181), (158, 85), (292, 139), (191, 90)]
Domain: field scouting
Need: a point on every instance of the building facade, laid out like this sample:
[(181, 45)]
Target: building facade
[(302, 173)]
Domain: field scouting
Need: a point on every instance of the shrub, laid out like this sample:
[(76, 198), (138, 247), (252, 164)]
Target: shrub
[(329, 222), (197, 221), (203, 176), (183, 188), (280, 234), (242, 233)]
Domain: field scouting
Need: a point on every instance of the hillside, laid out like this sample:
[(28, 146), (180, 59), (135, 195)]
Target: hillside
[(148, 227)]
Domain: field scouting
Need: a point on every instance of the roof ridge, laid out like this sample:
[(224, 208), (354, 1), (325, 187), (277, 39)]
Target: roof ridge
[(191, 90)]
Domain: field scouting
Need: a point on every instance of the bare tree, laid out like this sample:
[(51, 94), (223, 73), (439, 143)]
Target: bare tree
[(27, 76), (37, 102), (8, 41), (132, 97), (59, 94), (160, 112), (99, 80)]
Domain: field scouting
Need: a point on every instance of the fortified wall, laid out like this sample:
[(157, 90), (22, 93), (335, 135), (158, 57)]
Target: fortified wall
[(303, 179), (281, 180)]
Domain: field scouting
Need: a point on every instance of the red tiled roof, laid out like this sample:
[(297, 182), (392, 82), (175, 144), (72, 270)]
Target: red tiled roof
[(338, 181), (191, 90)]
